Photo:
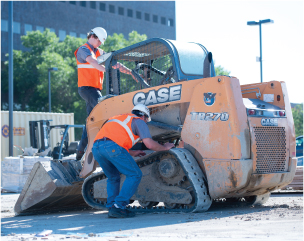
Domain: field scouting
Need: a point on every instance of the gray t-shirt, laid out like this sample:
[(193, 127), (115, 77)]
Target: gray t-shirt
[(140, 128), (83, 52)]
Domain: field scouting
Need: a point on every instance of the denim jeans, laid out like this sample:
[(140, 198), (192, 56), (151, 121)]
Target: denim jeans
[(114, 160), (90, 95)]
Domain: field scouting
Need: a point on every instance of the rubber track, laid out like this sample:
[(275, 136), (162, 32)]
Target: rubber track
[(191, 169)]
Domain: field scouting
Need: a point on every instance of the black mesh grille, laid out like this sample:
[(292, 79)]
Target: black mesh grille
[(271, 149)]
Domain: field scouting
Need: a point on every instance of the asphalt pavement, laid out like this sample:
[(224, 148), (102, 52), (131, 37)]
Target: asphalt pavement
[(281, 218)]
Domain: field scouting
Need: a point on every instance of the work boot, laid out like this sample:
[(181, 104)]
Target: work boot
[(115, 212), (79, 155)]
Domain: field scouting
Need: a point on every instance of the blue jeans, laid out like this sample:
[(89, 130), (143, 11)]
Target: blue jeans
[(114, 160), (90, 95)]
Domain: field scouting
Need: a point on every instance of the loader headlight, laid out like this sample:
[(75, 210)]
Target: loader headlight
[(282, 113)]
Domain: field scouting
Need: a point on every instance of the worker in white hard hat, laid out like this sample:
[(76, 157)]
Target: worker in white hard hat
[(91, 74), (112, 150)]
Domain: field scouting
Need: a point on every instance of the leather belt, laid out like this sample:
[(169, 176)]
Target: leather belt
[(103, 139)]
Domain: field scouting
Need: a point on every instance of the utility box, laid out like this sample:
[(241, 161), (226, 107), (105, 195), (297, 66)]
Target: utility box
[(21, 123)]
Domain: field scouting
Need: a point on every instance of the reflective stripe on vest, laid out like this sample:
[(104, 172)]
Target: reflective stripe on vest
[(119, 130), (85, 66), (124, 125)]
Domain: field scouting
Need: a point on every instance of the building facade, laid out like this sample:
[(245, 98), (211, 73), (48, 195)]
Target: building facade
[(76, 18)]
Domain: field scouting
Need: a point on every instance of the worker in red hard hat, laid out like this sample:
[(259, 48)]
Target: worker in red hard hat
[(91, 74)]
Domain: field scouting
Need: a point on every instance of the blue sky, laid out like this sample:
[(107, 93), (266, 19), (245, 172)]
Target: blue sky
[(221, 26)]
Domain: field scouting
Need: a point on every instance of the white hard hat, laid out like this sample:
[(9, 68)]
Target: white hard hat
[(143, 110), (101, 33)]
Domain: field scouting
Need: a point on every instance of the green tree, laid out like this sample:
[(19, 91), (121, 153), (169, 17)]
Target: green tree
[(118, 41), (134, 38), (297, 113), (31, 72), (25, 68), (219, 70)]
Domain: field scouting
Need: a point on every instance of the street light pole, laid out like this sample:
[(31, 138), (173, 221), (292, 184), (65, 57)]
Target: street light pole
[(10, 78), (49, 71), (261, 58), (251, 23)]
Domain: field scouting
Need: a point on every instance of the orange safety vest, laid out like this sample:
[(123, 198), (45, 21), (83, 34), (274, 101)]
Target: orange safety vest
[(118, 129), (87, 74)]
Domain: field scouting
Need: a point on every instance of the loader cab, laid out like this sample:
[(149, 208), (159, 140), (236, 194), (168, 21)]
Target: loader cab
[(157, 62), (194, 60)]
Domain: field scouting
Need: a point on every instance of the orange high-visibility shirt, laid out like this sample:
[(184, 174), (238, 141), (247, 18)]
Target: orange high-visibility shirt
[(87, 74), (118, 129)]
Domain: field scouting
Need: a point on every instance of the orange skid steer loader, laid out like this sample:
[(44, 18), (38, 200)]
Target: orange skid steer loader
[(233, 142)]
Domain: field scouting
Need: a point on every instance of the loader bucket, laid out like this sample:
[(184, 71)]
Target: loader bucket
[(51, 186)]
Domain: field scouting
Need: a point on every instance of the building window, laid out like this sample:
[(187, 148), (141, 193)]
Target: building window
[(72, 2), (111, 8), (83, 35), (4, 25), (73, 34), (138, 15), (102, 7), (28, 28), (170, 22), (52, 30), (130, 13), (39, 28), (121, 11), (16, 27), (62, 35), (93, 5), (155, 18), (83, 3), (147, 16), (163, 20)]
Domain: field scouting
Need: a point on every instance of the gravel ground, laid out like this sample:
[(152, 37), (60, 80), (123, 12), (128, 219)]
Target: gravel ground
[(281, 218)]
